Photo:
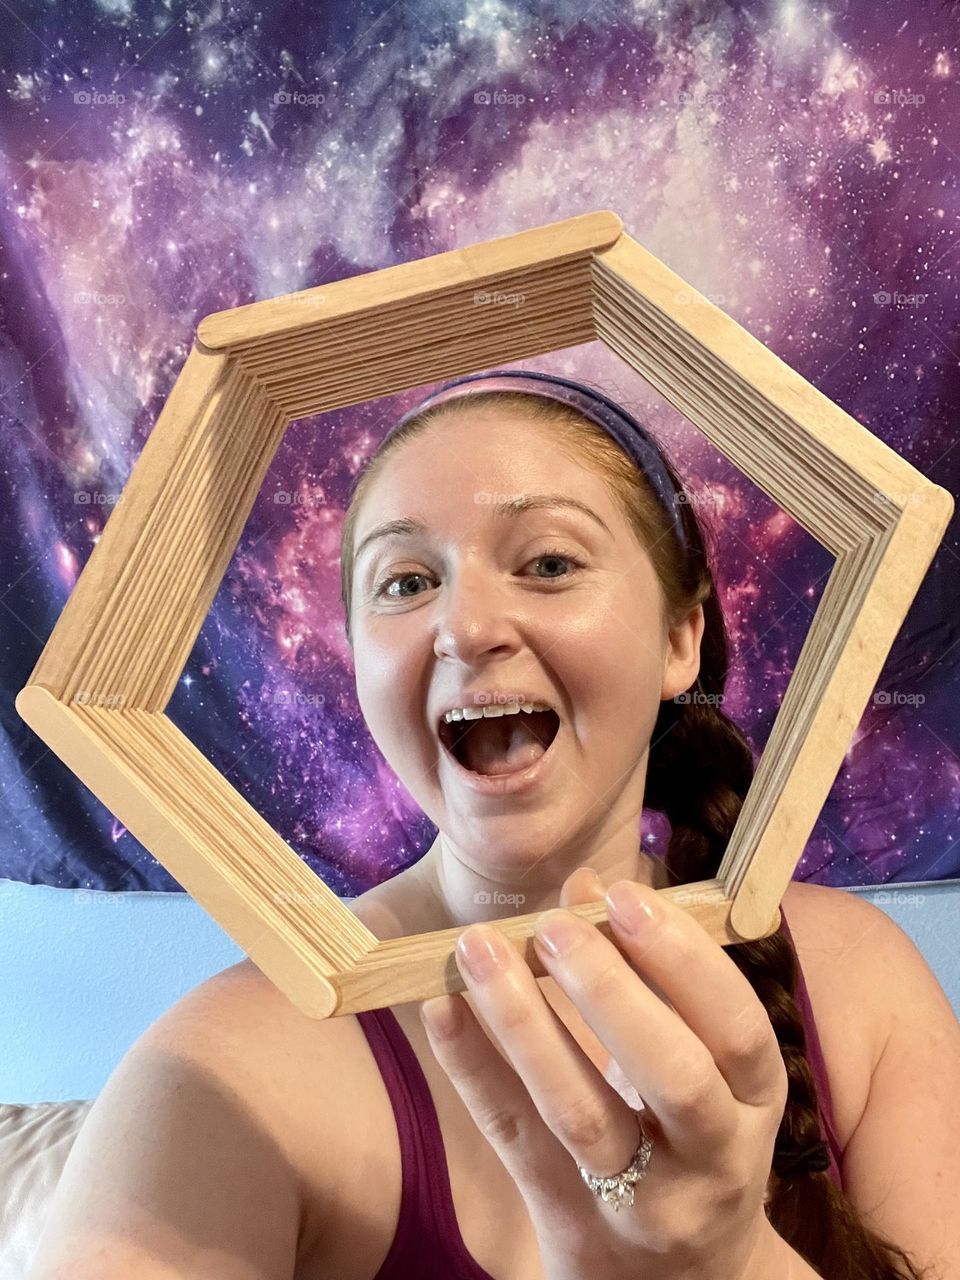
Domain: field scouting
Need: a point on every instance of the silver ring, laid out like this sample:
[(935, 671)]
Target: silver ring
[(617, 1189)]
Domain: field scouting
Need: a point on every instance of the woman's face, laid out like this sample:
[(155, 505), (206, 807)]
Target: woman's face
[(553, 602)]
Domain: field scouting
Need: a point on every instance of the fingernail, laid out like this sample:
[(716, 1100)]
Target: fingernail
[(629, 909), (558, 931), (479, 954)]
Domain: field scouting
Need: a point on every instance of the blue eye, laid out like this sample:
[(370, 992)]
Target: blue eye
[(396, 577), (381, 592), (559, 555)]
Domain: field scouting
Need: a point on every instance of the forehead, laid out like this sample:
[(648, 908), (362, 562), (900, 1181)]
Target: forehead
[(479, 452)]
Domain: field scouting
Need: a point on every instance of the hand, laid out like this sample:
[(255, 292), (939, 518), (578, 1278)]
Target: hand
[(691, 1036)]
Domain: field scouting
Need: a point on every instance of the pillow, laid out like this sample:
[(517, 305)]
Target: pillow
[(35, 1140)]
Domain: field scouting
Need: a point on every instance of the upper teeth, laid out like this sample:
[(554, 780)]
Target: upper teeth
[(474, 713)]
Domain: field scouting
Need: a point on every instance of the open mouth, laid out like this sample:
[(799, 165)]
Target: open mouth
[(496, 745)]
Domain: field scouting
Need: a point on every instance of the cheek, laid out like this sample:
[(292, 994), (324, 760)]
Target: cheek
[(610, 663), (615, 640), (387, 692), (634, 634)]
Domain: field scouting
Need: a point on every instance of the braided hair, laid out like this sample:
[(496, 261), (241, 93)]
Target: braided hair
[(700, 766)]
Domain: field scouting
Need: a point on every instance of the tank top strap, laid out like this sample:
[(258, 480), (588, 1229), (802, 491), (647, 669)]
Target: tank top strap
[(428, 1237), (817, 1063)]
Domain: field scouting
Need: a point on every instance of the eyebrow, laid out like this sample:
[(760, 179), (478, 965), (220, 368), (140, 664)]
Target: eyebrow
[(508, 509)]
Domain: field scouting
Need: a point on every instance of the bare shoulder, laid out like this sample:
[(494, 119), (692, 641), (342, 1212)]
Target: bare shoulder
[(886, 969), (239, 1012), (835, 923), (844, 942), (287, 1069), (187, 1163)]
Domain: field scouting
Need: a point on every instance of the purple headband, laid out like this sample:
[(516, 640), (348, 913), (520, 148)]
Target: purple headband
[(633, 438)]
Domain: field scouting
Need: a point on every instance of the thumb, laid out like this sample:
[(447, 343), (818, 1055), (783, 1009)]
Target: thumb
[(582, 885)]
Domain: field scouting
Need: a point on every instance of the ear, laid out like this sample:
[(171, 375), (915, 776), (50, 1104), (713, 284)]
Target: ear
[(681, 664)]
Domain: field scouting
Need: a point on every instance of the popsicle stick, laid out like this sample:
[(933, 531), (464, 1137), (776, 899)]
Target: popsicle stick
[(97, 693)]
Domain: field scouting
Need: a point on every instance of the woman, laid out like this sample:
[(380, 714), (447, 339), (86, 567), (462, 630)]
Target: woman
[(522, 539), (625, 641)]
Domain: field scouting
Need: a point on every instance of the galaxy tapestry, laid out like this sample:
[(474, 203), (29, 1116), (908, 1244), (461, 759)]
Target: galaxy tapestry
[(795, 162)]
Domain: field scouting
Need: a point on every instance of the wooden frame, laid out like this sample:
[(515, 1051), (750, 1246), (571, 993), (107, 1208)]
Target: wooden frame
[(98, 691)]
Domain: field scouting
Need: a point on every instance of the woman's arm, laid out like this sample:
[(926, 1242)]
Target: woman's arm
[(901, 1167), (175, 1171)]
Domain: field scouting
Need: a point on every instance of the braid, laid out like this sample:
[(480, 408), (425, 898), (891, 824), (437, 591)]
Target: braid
[(700, 768)]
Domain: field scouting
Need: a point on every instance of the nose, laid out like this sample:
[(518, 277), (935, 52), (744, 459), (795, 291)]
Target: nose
[(475, 618)]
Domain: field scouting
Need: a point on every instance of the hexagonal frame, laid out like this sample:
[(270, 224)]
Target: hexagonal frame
[(99, 689)]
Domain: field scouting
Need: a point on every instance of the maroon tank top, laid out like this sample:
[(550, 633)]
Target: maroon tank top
[(427, 1244)]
